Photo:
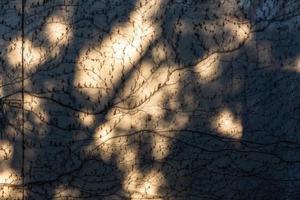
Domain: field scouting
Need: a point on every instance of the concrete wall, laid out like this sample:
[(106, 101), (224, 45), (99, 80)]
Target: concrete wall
[(149, 99)]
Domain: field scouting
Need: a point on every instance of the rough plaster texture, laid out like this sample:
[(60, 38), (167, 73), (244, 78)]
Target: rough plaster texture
[(150, 99)]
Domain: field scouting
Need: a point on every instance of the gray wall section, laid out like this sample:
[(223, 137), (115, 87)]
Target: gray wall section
[(150, 99)]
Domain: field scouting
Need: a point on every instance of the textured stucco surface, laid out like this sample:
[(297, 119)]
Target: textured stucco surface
[(150, 99)]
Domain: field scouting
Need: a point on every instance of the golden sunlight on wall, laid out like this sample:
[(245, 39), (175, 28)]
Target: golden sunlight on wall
[(10, 192), (240, 30), (58, 31), (86, 119), (65, 192), (144, 186), (31, 103), (7, 174), (228, 125), (296, 67), (139, 107), (33, 55), (208, 69), (102, 65), (6, 150)]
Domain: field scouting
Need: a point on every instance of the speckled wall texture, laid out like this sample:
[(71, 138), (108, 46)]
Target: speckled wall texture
[(150, 99)]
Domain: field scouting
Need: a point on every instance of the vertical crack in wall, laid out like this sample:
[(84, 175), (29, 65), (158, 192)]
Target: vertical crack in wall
[(23, 112)]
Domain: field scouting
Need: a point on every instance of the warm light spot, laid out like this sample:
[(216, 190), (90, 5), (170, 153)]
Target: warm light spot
[(102, 65), (104, 135), (227, 124), (132, 179), (105, 138), (35, 106), (297, 66), (243, 31), (14, 56), (33, 55), (89, 75), (127, 156), (153, 87), (10, 192), (6, 150), (87, 119), (141, 185), (208, 69), (239, 30), (8, 175), (57, 31), (65, 192), (180, 120), (31, 102)]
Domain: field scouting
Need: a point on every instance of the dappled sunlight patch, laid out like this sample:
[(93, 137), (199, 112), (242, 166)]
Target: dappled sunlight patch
[(240, 30), (87, 78), (33, 55), (66, 192), (180, 120), (127, 156), (14, 54), (105, 133), (86, 119), (296, 67), (138, 88), (9, 175), (150, 87), (57, 31), (35, 106), (112, 137), (131, 180), (141, 185), (147, 97), (227, 125), (105, 64), (31, 103), (231, 34), (10, 192), (6, 150), (149, 9), (130, 121), (208, 69), (136, 81), (102, 141)]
